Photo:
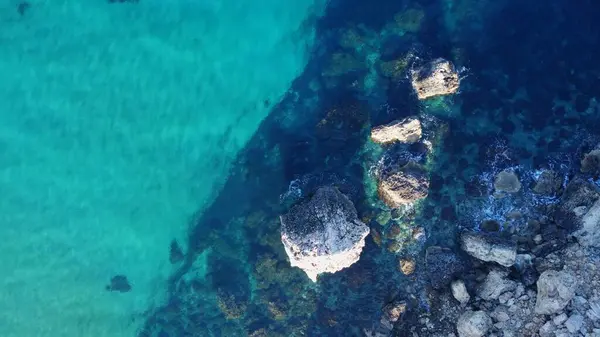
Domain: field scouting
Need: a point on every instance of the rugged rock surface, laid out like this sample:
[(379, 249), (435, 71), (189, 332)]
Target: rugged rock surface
[(495, 285), (589, 233), (404, 186), (443, 265), (555, 290), (548, 183), (591, 162), (459, 291), (473, 324), (489, 248), (436, 78), (323, 234), (508, 182), (391, 314), (407, 130), (577, 199)]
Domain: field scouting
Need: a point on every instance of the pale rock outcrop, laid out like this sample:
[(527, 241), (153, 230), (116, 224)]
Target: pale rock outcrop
[(548, 183), (591, 162), (459, 291), (436, 78), (403, 187), (555, 289), (507, 181), (323, 234), (589, 233), (494, 285), (473, 324), (407, 130), (489, 248)]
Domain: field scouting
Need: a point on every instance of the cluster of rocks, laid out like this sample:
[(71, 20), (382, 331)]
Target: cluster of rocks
[(323, 234), (404, 185), (543, 281)]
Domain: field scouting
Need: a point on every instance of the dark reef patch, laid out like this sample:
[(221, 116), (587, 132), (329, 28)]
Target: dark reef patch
[(520, 58)]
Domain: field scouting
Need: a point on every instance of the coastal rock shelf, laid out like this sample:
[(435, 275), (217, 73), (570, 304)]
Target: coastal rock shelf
[(323, 234)]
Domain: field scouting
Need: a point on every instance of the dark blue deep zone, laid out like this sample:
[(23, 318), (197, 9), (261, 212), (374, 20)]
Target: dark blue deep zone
[(550, 48)]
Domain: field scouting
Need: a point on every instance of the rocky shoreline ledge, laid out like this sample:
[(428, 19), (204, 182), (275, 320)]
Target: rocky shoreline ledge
[(542, 279)]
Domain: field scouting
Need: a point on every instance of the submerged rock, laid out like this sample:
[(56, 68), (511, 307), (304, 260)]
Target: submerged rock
[(473, 324), (549, 183), (443, 265), (489, 248), (407, 130), (507, 181), (494, 285), (392, 312), (555, 289), (323, 234), (591, 162), (436, 78), (578, 198), (403, 187)]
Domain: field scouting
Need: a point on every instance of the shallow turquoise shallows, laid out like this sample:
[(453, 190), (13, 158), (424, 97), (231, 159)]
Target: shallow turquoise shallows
[(118, 122)]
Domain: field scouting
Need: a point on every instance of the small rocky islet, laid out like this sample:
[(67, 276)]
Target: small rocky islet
[(449, 204)]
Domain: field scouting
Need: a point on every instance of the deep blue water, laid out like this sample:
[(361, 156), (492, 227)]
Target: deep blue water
[(520, 59)]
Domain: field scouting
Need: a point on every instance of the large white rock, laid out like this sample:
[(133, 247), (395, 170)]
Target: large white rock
[(407, 130), (436, 78), (489, 248), (459, 291), (555, 289), (323, 234), (589, 233), (473, 324)]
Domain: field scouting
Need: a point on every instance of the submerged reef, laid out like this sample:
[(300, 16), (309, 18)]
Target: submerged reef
[(454, 156)]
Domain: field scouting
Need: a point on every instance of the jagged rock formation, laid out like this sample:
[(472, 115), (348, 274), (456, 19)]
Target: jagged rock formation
[(459, 291), (548, 183), (508, 182), (442, 265), (407, 130), (323, 234), (404, 186), (555, 290), (494, 285), (473, 324), (489, 248), (591, 162), (436, 78)]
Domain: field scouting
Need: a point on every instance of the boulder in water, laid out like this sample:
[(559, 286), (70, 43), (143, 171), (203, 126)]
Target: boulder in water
[(323, 234), (407, 130), (403, 187), (436, 78), (507, 181)]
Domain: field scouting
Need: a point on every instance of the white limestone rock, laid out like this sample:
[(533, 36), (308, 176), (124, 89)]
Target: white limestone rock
[(589, 233), (555, 289), (459, 291), (489, 248), (323, 234), (437, 78), (473, 324), (407, 130)]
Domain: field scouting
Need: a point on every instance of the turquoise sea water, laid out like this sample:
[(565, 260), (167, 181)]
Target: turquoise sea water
[(155, 144), (118, 123)]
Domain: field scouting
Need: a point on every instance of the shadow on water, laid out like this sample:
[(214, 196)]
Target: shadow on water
[(521, 59)]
